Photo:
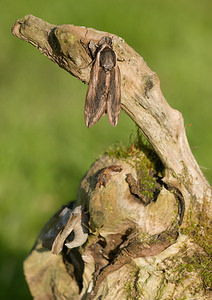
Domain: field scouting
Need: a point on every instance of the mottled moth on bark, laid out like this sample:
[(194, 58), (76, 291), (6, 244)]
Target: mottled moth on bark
[(104, 89)]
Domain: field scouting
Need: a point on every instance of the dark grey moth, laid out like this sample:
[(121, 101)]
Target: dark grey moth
[(104, 89)]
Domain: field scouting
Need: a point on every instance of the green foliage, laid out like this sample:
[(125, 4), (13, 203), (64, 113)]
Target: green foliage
[(45, 146)]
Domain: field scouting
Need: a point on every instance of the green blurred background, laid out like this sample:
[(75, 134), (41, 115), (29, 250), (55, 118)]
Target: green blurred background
[(45, 147)]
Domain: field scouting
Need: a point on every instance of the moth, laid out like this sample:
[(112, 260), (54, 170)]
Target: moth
[(104, 89)]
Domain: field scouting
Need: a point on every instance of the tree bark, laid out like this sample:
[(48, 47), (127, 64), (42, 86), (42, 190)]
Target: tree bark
[(153, 250)]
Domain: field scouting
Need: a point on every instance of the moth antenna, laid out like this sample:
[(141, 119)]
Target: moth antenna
[(87, 65)]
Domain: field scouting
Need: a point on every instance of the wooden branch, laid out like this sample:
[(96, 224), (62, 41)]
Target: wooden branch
[(123, 224), (142, 99)]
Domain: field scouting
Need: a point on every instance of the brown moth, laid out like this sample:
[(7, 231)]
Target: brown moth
[(104, 89)]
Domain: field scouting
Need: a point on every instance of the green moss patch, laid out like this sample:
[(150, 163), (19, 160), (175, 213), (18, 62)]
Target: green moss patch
[(148, 166)]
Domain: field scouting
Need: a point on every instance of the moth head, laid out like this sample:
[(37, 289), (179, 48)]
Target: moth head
[(105, 40)]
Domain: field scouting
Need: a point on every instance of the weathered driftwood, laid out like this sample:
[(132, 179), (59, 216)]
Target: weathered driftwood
[(135, 249)]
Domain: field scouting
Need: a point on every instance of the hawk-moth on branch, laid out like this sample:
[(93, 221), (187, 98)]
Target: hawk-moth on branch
[(104, 89)]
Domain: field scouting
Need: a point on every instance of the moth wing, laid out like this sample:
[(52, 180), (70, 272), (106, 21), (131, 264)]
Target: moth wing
[(114, 96), (95, 102)]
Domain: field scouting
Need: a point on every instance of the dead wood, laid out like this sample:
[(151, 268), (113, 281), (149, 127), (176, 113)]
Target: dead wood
[(126, 228)]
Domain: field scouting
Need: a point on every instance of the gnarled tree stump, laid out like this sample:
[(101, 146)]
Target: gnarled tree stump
[(140, 226)]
